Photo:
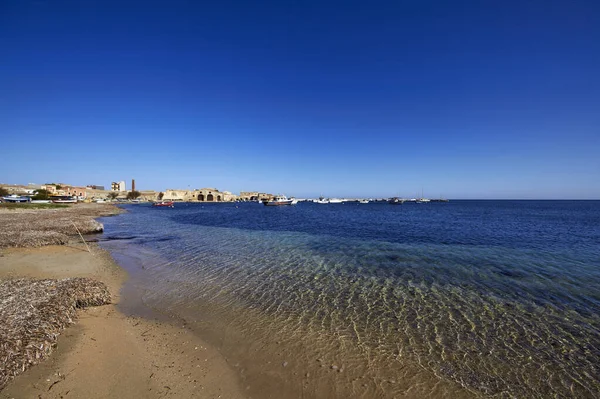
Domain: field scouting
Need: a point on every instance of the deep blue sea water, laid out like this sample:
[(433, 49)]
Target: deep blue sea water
[(466, 298)]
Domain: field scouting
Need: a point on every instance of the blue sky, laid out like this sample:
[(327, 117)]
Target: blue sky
[(346, 98)]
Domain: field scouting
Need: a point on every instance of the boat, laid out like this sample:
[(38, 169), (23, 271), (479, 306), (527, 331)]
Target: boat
[(396, 201), (363, 201), (40, 201), (422, 200), (15, 198), (64, 199), (281, 200), (322, 200), (168, 204)]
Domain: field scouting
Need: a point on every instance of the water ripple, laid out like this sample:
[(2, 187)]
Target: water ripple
[(399, 318)]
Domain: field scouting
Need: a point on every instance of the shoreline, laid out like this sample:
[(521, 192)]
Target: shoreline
[(107, 353)]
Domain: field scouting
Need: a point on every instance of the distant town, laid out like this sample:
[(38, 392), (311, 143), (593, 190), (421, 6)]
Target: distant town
[(118, 191)]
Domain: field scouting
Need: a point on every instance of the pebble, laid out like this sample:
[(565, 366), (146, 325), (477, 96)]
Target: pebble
[(334, 367), (284, 364)]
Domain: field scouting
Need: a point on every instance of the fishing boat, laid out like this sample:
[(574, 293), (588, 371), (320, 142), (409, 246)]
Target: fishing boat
[(281, 200), (15, 198), (396, 201), (335, 201), (168, 204), (64, 199)]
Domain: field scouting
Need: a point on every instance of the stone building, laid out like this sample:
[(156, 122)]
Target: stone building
[(79, 192), (213, 195), (198, 195), (254, 196)]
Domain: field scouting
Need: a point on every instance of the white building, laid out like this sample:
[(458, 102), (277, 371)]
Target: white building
[(118, 186)]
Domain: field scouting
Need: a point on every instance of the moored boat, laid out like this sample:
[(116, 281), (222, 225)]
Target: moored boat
[(168, 204), (396, 201), (281, 200), (15, 198), (65, 199)]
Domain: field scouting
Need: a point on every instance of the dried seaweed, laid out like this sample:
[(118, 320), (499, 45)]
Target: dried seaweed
[(34, 312), (39, 227)]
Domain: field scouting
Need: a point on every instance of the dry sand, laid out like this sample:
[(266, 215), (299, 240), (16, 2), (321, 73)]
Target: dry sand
[(107, 354)]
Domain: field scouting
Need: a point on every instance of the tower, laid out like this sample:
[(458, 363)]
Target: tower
[(132, 184)]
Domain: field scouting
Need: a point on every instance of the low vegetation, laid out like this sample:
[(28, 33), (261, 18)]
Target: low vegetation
[(41, 195), (133, 195)]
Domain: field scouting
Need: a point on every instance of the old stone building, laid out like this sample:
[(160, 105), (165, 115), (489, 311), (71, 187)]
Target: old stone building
[(213, 195), (254, 196), (199, 195)]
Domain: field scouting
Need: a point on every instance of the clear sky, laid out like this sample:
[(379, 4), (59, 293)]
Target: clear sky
[(464, 99)]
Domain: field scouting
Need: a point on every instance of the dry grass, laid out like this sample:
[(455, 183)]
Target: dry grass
[(38, 227), (33, 314)]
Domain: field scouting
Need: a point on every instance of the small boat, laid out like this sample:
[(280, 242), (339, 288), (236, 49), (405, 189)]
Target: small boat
[(396, 201), (64, 200), (281, 200), (364, 201), (335, 201), (168, 204), (15, 198)]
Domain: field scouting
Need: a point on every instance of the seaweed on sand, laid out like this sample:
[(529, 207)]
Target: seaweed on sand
[(39, 227), (33, 313)]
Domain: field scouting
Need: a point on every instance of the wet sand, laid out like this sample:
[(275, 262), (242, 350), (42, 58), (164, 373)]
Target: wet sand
[(107, 354)]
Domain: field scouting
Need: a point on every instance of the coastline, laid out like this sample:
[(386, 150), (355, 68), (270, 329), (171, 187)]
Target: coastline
[(107, 353)]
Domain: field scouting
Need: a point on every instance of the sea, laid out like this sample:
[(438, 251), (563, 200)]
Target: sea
[(462, 299)]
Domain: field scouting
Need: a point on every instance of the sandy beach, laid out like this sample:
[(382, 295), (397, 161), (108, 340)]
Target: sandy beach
[(105, 353)]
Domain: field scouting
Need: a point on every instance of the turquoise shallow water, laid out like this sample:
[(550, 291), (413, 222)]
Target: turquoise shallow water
[(467, 298)]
